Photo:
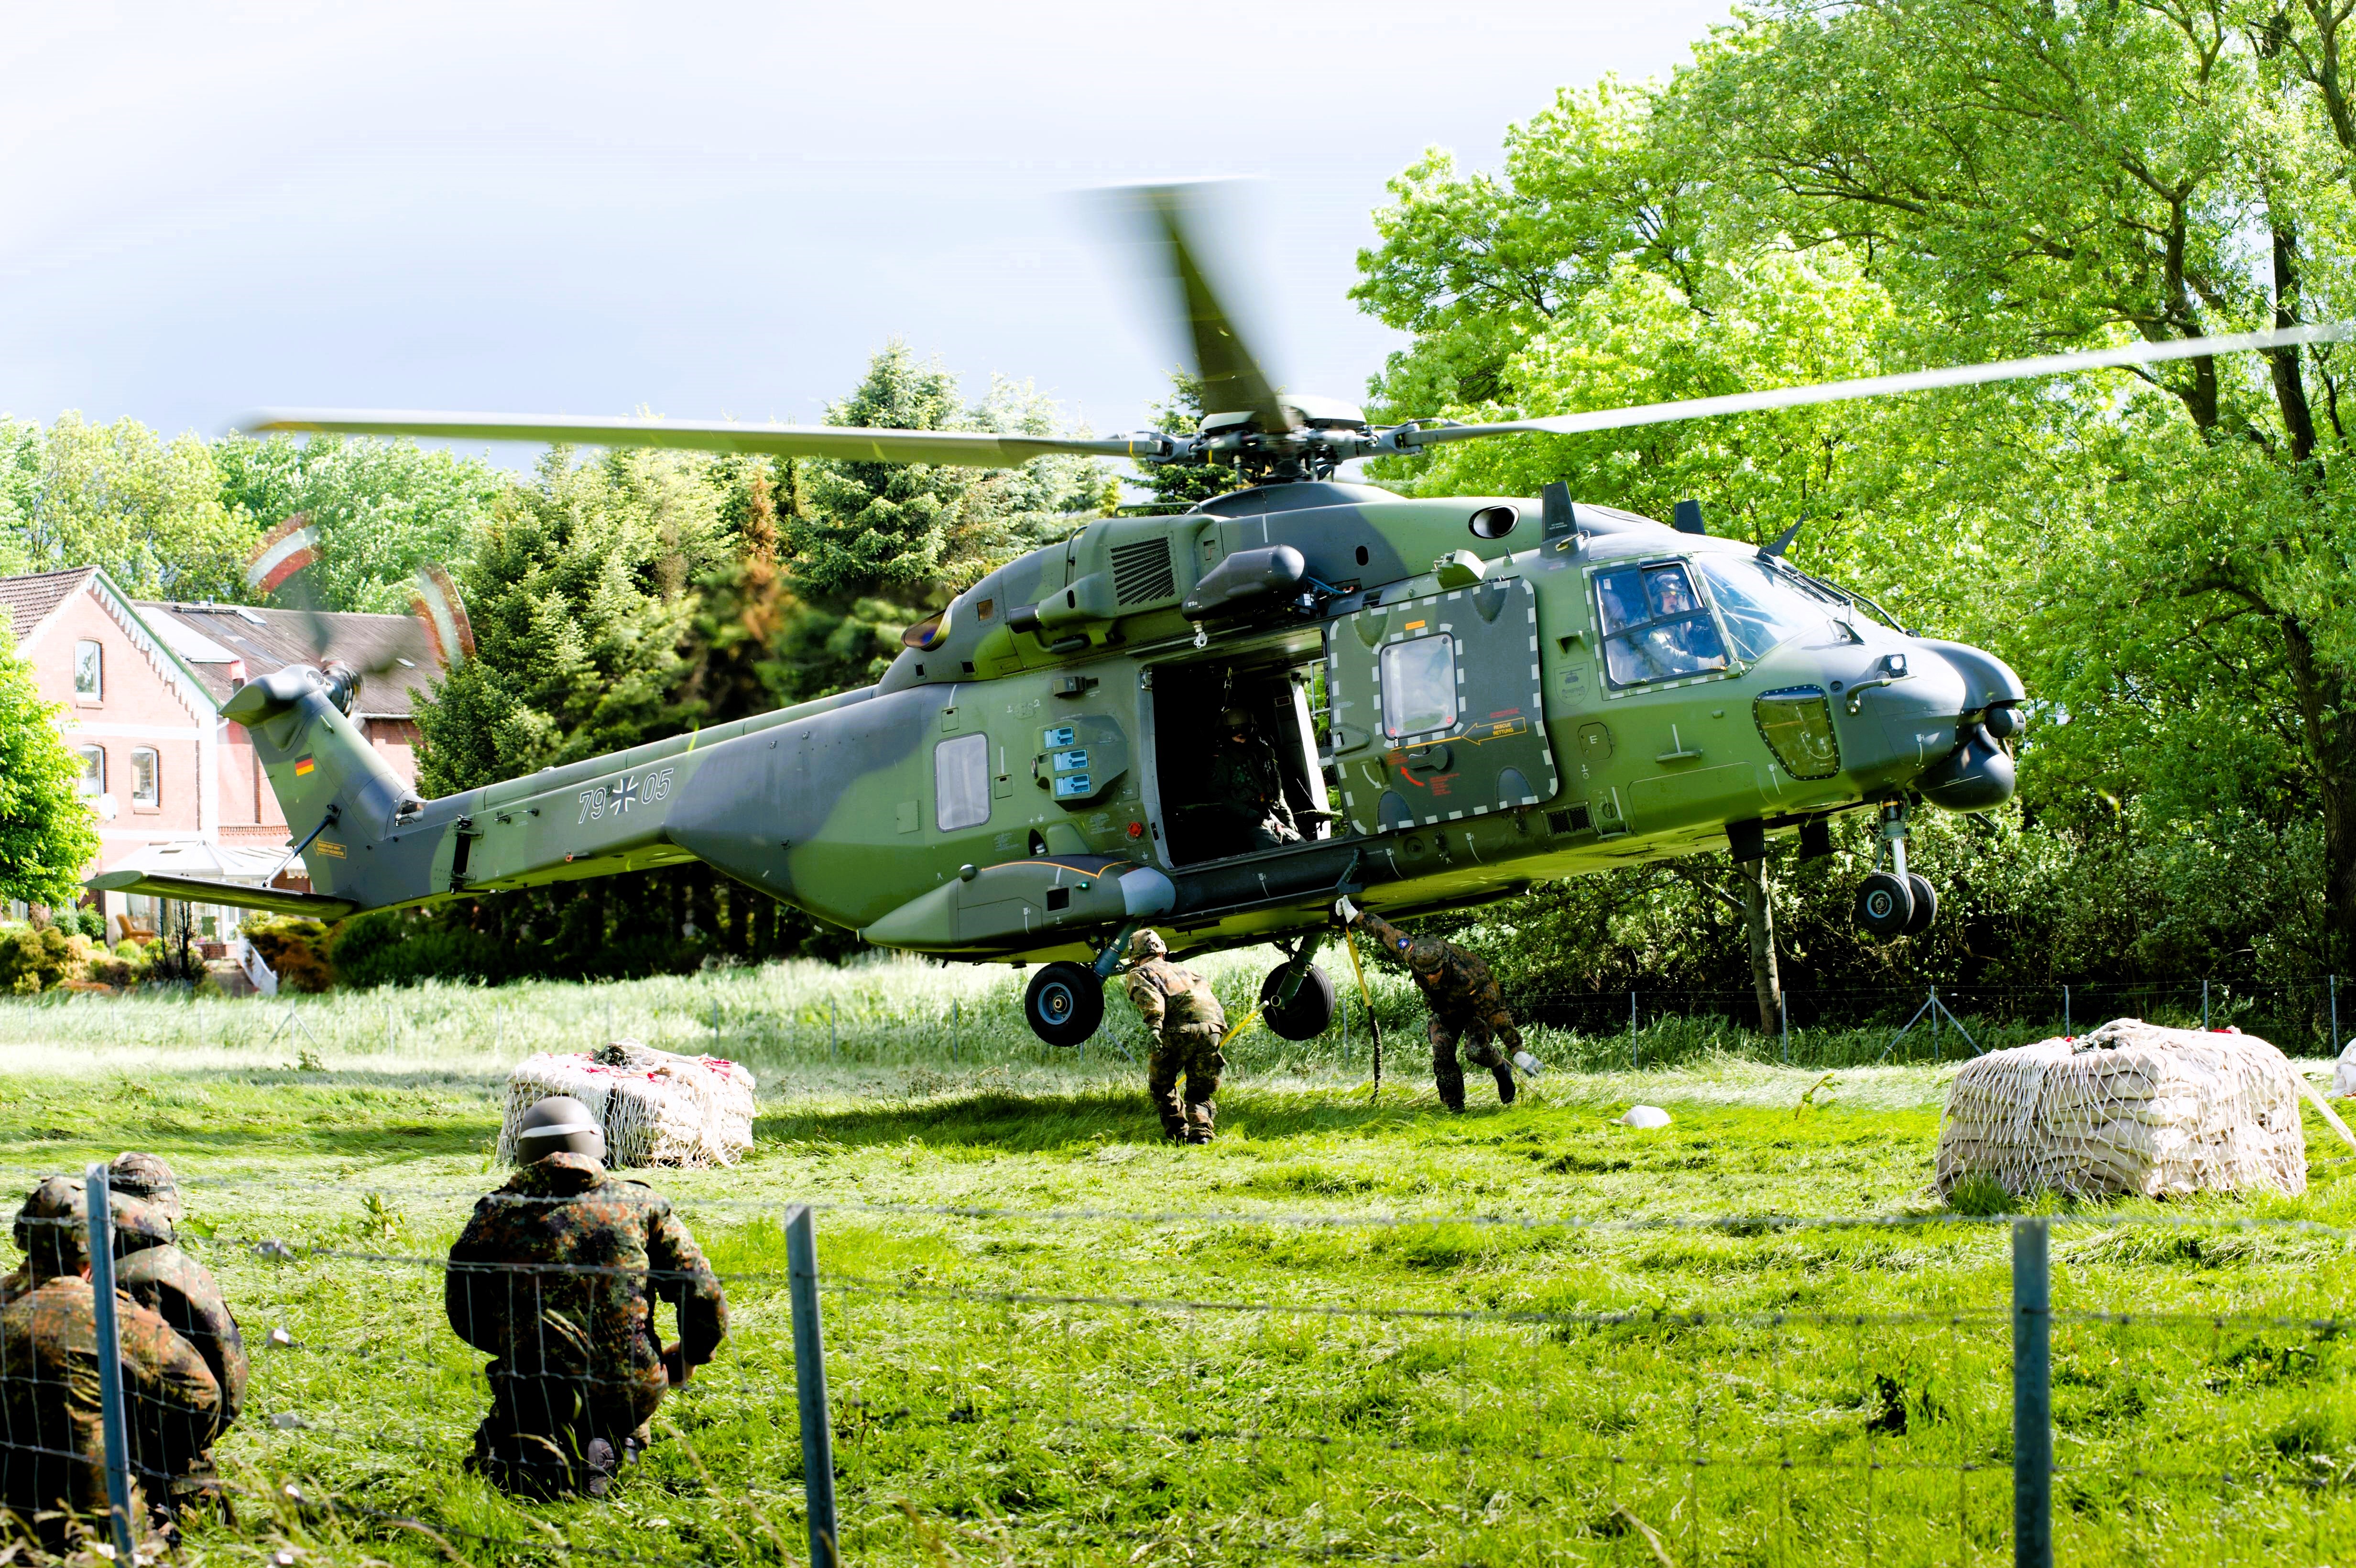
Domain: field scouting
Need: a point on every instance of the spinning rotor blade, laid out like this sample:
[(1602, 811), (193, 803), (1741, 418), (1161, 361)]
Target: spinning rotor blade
[(1233, 381), (959, 448), (1883, 386), (282, 569)]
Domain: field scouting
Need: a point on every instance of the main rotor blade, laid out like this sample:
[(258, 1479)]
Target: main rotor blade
[(1233, 381), (1885, 386), (959, 448)]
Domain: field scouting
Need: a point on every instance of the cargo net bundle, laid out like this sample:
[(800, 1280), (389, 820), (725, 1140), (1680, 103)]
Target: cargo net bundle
[(657, 1108), (2130, 1108)]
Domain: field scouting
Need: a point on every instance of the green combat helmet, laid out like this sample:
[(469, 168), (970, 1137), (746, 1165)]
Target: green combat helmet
[(53, 1228), (557, 1125), (146, 1178), (1146, 945)]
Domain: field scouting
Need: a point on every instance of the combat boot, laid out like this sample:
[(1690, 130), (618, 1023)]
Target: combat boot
[(1505, 1076), (1451, 1083), (1200, 1119)]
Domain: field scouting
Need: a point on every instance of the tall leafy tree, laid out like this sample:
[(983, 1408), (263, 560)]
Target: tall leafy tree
[(120, 496), (47, 832), (383, 508), (2031, 175)]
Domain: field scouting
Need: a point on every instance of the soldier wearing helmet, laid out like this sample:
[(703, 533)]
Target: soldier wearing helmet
[(1247, 785), (1464, 1002), (1187, 1024), (152, 1270), (53, 1443), (579, 1364)]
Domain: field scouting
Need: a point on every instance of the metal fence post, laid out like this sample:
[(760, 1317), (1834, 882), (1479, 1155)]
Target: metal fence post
[(810, 1389), (2033, 1392), (2204, 1004), (2335, 1014), (109, 1349), (1783, 1015), (2066, 1010), (1636, 1055)]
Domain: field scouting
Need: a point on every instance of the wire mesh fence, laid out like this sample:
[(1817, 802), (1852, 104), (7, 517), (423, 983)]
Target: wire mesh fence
[(1096, 1386)]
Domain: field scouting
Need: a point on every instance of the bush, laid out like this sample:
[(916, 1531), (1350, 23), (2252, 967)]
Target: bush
[(298, 950), (35, 959)]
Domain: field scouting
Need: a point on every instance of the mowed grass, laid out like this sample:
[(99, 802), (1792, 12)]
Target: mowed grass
[(1052, 1340)]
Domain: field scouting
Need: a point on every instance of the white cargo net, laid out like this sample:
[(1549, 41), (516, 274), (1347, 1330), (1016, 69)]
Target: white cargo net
[(657, 1108), (2129, 1108)]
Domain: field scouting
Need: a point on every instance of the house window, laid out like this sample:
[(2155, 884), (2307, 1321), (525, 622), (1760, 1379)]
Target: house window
[(89, 671), (93, 772), (962, 782), (144, 790)]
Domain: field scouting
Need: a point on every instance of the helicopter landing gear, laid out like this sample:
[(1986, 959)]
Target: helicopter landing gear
[(1895, 902), (1064, 1003), (1307, 1011)]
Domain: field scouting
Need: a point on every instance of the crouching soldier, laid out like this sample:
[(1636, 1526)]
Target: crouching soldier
[(556, 1277), (1188, 1026), (52, 1440), (1465, 1003), (151, 1268)]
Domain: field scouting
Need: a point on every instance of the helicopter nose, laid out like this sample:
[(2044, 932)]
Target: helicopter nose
[(1977, 774)]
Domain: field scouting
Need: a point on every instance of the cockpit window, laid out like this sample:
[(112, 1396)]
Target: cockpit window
[(1762, 607), (1656, 626)]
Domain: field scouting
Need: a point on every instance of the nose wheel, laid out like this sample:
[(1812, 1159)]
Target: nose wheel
[(1895, 902)]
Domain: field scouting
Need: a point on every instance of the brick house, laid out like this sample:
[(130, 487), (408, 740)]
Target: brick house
[(142, 683)]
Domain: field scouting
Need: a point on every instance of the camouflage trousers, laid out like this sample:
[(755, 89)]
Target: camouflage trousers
[(550, 1434), (1190, 1051), (1481, 1037)]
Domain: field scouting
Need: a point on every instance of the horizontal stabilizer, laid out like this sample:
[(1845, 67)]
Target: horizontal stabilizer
[(196, 889)]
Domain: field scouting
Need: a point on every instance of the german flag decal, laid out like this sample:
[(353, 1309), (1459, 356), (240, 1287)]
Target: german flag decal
[(302, 766)]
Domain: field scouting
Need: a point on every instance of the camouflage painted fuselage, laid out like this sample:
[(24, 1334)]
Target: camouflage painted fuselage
[(1006, 792)]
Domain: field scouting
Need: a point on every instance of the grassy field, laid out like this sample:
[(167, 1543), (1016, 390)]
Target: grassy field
[(1242, 1382)]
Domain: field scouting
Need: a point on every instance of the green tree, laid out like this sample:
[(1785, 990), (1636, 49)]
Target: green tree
[(2033, 174), (47, 833), (579, 596), (120, 496), (382, 508)]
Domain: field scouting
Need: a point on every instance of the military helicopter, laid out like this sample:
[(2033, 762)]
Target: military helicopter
[(1514, 688)]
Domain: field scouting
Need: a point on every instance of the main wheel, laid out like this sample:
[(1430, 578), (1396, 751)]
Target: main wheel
[(1064, 1003), (1926, 905), (1884, 904), (1307, 1015)]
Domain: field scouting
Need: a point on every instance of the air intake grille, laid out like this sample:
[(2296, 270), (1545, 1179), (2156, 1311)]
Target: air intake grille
[(1574, 820), (1141, 572)]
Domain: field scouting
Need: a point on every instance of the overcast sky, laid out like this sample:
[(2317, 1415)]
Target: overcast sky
[(708, 210)]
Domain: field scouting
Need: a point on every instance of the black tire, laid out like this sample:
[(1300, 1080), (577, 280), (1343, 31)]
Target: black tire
[(1308, 1014), (1884, 904), (1926, 905), (1064, 1003)]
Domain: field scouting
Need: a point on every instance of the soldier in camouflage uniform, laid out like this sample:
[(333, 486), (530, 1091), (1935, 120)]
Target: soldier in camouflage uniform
[(1464, 1001), (556, 1275), (53, 1443), (152, 1270), (1188, 1026), (1248, 787)]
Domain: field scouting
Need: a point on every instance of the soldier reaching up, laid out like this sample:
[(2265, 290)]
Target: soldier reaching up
[(1187, 1024), (556, 1277), (1464, 1001)]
